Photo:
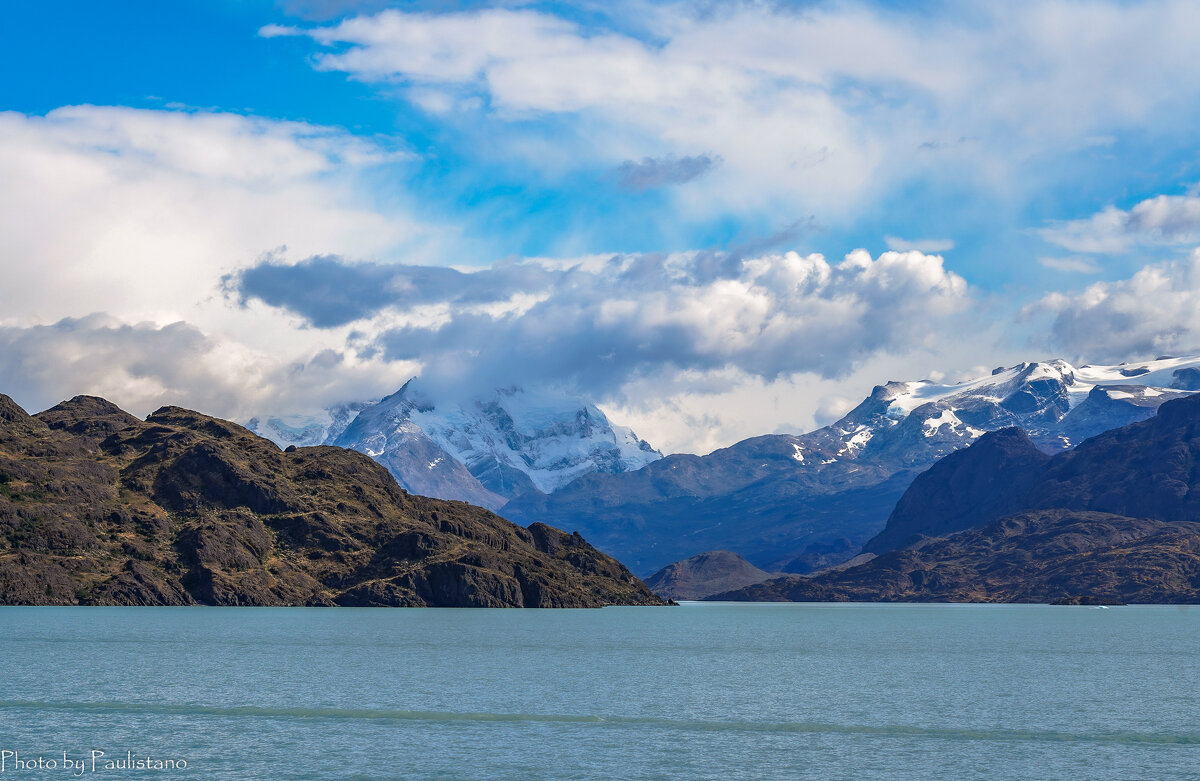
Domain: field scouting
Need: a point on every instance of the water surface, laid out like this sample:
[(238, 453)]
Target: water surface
[(722, 691)]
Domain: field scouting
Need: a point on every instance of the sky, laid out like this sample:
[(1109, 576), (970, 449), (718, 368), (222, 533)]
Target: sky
[(714, 219)]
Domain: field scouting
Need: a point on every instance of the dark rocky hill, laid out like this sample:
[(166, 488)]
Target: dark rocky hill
[(1115, 520), (963, 490), (100, 508), (1055, 556), (706, 574), (1149, 469)]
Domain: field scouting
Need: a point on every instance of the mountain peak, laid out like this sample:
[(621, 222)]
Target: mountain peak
[(10, 411), (482, 448)]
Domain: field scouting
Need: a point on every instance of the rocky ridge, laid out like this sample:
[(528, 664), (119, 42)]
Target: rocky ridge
[(1048, 556), (100, 508)]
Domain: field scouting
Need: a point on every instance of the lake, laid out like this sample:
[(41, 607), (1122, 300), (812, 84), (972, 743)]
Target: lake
[(701, 691)]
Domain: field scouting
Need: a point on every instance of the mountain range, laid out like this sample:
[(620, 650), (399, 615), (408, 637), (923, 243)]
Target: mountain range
[(792, 503), (797, 503), (1114, 520)]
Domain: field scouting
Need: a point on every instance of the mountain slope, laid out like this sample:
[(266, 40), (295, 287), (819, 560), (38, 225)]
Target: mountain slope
[(1147, 469), (976, 484), (796, 503), (97, 507), (1115, 520)]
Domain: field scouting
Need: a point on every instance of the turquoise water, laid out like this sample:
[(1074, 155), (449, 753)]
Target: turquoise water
[(719, 691)]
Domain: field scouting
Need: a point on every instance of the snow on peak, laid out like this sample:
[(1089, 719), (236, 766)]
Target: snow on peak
[(913, 422), (549, 437), (933, 426)]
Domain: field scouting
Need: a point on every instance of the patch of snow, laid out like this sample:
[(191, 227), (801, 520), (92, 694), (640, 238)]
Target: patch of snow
[(931, 426), (856, 441)]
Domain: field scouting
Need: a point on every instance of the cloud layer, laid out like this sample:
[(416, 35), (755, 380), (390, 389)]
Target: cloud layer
[(814, 109), (602, 323), (143, 366)]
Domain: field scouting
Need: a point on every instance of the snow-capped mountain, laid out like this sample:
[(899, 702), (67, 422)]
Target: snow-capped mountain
[(484, 451), (797, 502), (1059, 405)]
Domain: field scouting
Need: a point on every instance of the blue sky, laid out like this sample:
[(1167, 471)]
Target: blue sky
[(282, 183)]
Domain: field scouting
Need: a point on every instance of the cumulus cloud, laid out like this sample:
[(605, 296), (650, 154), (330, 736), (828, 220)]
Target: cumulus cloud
[(1164, 219), (139, 212), (652, 173), (1153, 312), (599, 324), (802, 119)]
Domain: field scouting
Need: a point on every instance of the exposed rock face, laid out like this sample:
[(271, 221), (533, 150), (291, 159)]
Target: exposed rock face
[(797, 503), (1115, 520), (704, 575), (1055, 556), (99, 508)]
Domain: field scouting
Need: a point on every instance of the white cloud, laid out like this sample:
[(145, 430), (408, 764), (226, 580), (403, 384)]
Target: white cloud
[(142, 214), (1155, 311), (138, 212), (920, 245), (813, 110), (142, 366), (1164, 219)]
